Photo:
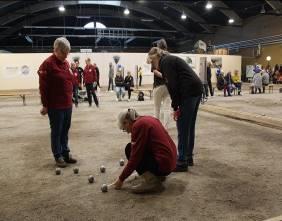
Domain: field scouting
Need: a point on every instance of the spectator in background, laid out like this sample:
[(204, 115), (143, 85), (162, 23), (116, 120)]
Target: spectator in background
[(160, 92), (56, 85), (209, 75), (80, 72), (90, 81), (111, 76), (140, 76), (265, 80), (275, 74), (119, 82), (98, 75), (257, 80), (228, 84), (279, 79), (237, 81), (129, 84), (76, 83)]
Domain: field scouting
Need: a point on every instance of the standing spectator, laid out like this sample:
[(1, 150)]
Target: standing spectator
[(56, 85), (80, 72), (275, 74), (257, 80), (119, 82), (76, 83), (160, 92), (237, 82), (98, 75), (90, 81), (129, 84), (140, 76), (111, 76), (209, 78), (265, 80), (228, 84), (185, 89)]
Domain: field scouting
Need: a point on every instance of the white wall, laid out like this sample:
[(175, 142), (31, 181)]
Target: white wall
[(12, 77)]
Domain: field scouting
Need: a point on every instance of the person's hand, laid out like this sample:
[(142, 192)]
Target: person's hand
[(44, 111), (176, 115), (118, 184), (157, 73)]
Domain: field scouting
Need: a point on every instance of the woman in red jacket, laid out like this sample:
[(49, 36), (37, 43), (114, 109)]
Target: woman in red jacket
[(90, 78), (152, 152)]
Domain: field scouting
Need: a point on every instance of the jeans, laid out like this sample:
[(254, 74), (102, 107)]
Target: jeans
[(186, 128), (60, 122), (75, 94), (148, 163), (120, 91), (111, 83), (90, 93), (238, 85)]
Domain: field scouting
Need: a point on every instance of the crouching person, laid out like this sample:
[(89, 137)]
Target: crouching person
[(152, 152)]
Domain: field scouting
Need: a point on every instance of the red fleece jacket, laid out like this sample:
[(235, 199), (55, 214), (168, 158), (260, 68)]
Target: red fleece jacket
[(149, 134)]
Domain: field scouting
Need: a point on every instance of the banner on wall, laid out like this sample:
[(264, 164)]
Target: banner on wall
[(15, 71)]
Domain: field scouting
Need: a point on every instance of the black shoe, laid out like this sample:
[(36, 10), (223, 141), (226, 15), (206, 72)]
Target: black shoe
[(182, 168), (190, 162), (69, 159)]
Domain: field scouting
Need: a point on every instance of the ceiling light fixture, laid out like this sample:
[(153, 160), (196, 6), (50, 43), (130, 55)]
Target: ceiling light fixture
[(209, 5), (231, 21), (183, 16), (62, 8), (126, 11), (262, 11)]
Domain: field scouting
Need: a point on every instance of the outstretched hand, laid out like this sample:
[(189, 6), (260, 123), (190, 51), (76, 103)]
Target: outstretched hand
[(117, 184)]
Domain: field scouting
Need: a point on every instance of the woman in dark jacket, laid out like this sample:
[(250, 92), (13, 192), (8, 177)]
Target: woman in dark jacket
[(129, 84), (185, 89), (119, 82)]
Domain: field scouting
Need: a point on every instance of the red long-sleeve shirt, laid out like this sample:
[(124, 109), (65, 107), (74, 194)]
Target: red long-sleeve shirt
[(149, 134), (76, 77), (89, 74), (55, 83)]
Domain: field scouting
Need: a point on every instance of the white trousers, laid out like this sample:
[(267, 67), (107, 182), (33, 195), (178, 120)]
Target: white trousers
[(162, 98)]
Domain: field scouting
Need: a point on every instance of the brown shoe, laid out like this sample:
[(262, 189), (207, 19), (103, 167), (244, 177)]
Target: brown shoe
[(60, 162), (149, 184), (70, 159)]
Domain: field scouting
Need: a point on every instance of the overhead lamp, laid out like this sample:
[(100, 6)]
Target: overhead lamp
[(209, 5), (183, 16), (231, 20), (268, 58), (62, 8), (126, 11)]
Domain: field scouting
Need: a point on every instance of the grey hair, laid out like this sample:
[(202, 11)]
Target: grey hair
[(63, 44), (126, 115), (155, 52)]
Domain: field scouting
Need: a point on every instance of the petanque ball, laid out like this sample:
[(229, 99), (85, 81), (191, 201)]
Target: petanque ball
[(91, 179), (102, 169), (75, 170), (58, 171), (121, 162), (104, 188)]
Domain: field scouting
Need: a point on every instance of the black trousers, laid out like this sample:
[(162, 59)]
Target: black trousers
[(90, 93), (210, 87), (75, 94), (129, 90), (148, 163), (140, 81)]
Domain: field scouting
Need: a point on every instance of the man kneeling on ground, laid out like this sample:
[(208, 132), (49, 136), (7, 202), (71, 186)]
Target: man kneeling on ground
[(152, 152)]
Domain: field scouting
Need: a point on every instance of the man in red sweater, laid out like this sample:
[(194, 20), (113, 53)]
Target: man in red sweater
[(56, 85), (90, 82), (152, 152)]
